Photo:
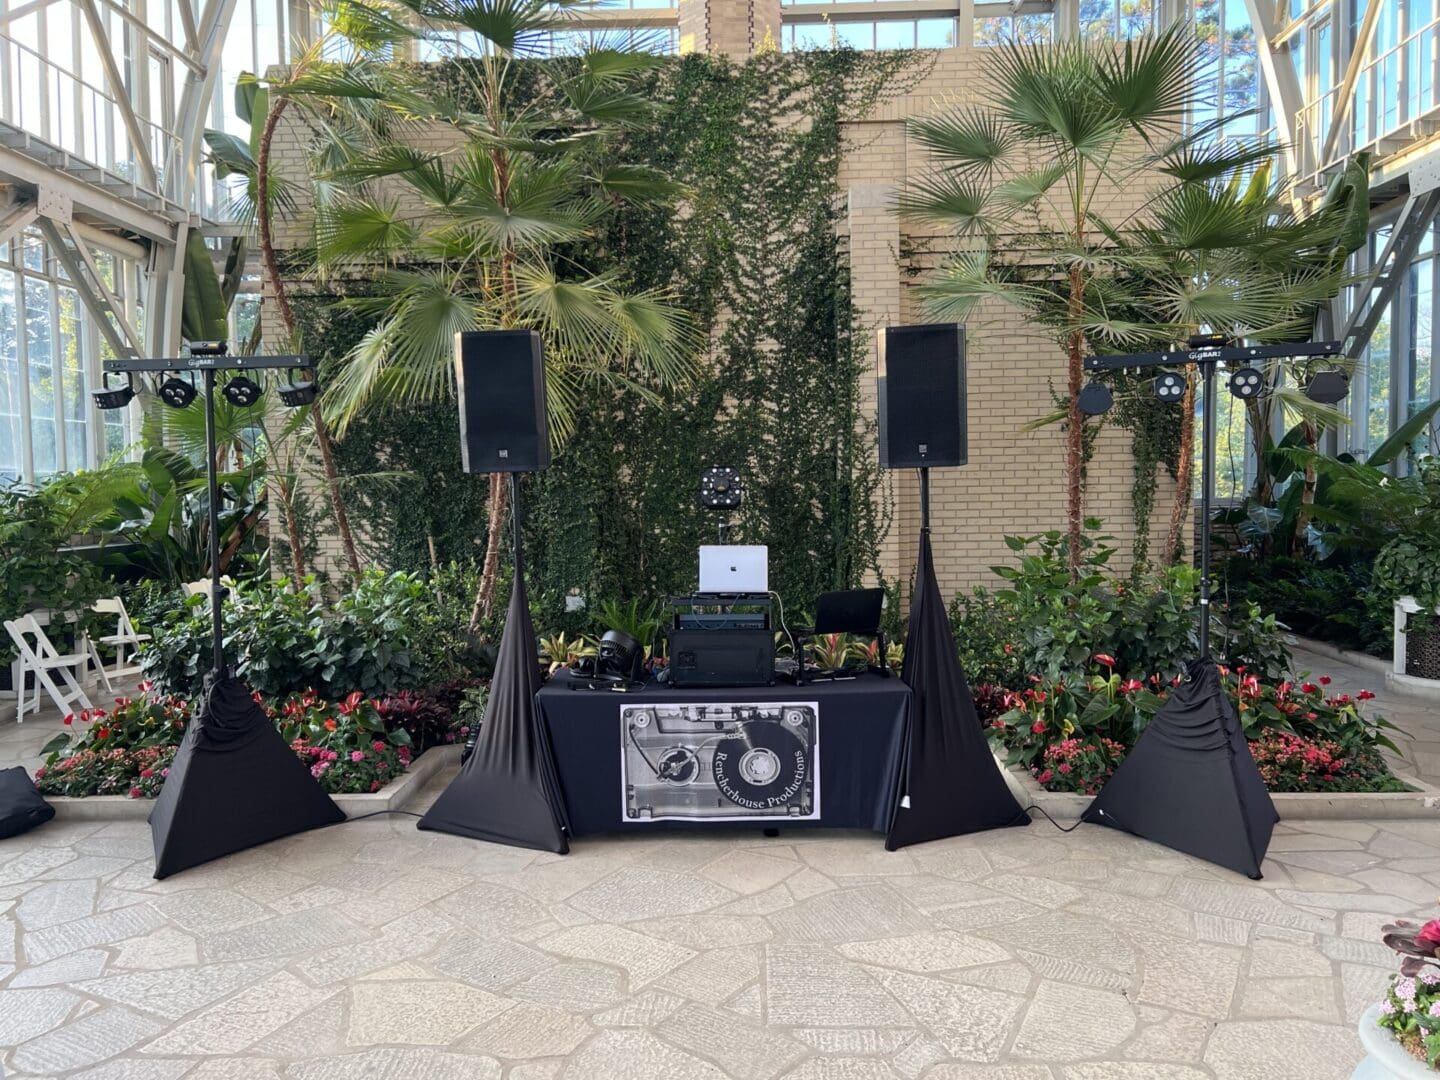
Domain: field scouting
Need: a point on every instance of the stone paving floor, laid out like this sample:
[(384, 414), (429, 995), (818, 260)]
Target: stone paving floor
[(373, 950)]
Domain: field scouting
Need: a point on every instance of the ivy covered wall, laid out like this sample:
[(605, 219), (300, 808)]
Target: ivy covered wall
[(753, 252)]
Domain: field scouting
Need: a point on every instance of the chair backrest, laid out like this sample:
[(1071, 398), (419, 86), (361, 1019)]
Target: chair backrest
[(24, 628), (113, 605), (197, 588)]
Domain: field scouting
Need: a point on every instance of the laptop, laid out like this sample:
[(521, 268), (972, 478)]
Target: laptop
[(731, 569)]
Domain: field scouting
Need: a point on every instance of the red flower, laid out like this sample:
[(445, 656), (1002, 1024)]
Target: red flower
[(136, 793), (103, 733), (145, 774), (1429, 936), (1309, 687), (330, 725), (1046, 776), (70, 718), (1107, 660), (1129, 686), (1009, 649), (377, 746), (1365, 695), (1064, 766), (1038, 727), (1324, 680)]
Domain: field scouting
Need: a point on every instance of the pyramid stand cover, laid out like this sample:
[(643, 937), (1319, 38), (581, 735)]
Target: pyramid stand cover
[(1191, 783), (507, 791), (951, 783), (233, 784)]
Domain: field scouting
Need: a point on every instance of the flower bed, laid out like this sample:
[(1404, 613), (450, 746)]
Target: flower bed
[(352, 746), (1410, 1009), (1072, 734)]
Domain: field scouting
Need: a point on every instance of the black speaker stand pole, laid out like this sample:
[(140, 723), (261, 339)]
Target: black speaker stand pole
[(924, 498), (217, 596)]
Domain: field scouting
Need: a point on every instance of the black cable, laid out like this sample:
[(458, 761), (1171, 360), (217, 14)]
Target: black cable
[(377, 813), (1050, 819)]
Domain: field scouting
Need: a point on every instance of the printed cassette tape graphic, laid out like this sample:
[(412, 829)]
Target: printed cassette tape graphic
[(721, 762)]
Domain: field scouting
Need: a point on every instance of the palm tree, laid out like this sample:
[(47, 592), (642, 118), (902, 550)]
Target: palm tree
[(1025, 182), (483, 252)]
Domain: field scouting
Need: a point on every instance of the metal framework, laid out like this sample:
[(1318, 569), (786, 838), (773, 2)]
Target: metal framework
[(109, 175)]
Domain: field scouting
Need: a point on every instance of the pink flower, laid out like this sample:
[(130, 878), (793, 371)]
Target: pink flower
[(377, 746), (1038, 727), (1105, 658), (136, 793), (357, 755), (1429, 936), (1064, 767), (165, 772), (145, 774), (1046, 776)]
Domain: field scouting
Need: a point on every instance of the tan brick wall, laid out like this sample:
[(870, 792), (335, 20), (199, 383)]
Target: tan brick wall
[(1013, 482)]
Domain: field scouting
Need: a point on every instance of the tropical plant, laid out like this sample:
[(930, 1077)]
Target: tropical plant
[(498, 207), (36, 570), (1409, 565), (560, 651), (641, 621), (1023, 181)]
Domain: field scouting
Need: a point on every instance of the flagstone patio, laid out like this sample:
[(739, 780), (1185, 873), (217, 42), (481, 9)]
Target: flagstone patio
[(373, 950)]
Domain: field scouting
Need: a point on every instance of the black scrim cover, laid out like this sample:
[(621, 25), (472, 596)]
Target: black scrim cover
[(1191, 782), (950, 778), (507, 791), (233, 784)]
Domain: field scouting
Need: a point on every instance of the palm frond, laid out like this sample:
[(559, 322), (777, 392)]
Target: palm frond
[(965, 138)]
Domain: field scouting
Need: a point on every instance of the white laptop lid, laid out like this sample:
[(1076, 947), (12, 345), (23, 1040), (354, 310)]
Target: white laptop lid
[(734, 568)]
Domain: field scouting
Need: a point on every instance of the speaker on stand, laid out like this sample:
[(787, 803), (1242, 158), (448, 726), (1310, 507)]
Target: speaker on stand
[(507, 791), (950, 783)]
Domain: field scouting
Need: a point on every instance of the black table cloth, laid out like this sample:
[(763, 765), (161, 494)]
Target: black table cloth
[(825, 754)]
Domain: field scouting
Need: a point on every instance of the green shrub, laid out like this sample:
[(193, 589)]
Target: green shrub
[(382, 635), (1326, 601), (36, 572), (1047, 623)]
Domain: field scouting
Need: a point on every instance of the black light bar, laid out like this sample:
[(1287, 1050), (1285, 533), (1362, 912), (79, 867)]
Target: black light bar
[(1226, 354), (204, 361)]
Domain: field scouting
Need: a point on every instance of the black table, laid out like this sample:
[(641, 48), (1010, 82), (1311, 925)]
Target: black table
[(825, 755)]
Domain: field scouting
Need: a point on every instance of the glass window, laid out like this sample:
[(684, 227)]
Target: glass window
[(1420, 368), (895, 34), (39, 355), (811, 36), (935, 33), (855, 35), (12, 424), (74, 385)]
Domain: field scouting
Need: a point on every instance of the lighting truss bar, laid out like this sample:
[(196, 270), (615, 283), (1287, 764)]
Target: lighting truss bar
[(211, 363), (1228, 354)]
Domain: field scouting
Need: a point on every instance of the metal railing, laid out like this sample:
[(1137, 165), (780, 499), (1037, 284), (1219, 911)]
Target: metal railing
[(44, 100), (1396, 95)]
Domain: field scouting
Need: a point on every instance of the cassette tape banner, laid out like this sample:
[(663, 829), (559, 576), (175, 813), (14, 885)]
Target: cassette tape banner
[(720, 762)]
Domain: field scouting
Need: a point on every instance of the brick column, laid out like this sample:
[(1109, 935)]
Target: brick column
[(735, 28)]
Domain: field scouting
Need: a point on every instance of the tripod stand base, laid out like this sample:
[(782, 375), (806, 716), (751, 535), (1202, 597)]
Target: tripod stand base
[(1191, 783), (233, 784)]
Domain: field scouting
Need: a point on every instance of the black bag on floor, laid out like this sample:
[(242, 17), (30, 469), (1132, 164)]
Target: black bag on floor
[(21, 807)]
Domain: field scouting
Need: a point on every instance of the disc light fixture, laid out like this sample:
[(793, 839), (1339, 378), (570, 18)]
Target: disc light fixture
[(177, 392), (1095, 399), (1170, 386), (298, 392), (1328, 387), (720, 488), (1246, 383), (108, 397), (242, 391)]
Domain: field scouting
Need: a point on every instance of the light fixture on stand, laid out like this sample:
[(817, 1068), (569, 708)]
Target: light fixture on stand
[(176, 392), (108, 397)]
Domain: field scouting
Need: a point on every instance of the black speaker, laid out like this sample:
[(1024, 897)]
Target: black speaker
[(922, 396), (500, 382)]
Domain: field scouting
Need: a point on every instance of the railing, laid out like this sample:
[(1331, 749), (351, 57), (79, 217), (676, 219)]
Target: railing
[(50, 103), (1398, 86)]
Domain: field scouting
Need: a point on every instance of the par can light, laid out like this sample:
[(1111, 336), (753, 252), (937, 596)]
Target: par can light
[(298, 392), (1095, 399), (113, 398), (1170, 386), (720, 488), (1246, 383), (1328, 387), (242, 391), (176, 392)]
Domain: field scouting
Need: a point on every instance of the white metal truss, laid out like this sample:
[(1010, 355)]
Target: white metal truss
[(150, 198)]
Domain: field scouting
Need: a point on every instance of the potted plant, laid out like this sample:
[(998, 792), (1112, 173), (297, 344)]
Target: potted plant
[(1401, 1033)]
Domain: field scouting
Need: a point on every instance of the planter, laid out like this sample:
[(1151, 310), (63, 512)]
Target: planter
[(1417, 655), (1386, 1059)]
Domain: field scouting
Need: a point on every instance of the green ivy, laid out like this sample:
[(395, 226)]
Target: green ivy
[(755, 255)]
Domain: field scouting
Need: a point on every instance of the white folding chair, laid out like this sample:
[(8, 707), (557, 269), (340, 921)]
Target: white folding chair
[(43, 661), (197, 588), (125, 636)]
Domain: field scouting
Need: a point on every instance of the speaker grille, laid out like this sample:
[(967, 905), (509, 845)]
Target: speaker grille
[(921, 396), (500, 384)]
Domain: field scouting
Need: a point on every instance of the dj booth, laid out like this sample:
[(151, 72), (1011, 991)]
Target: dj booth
[(825, 754)]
